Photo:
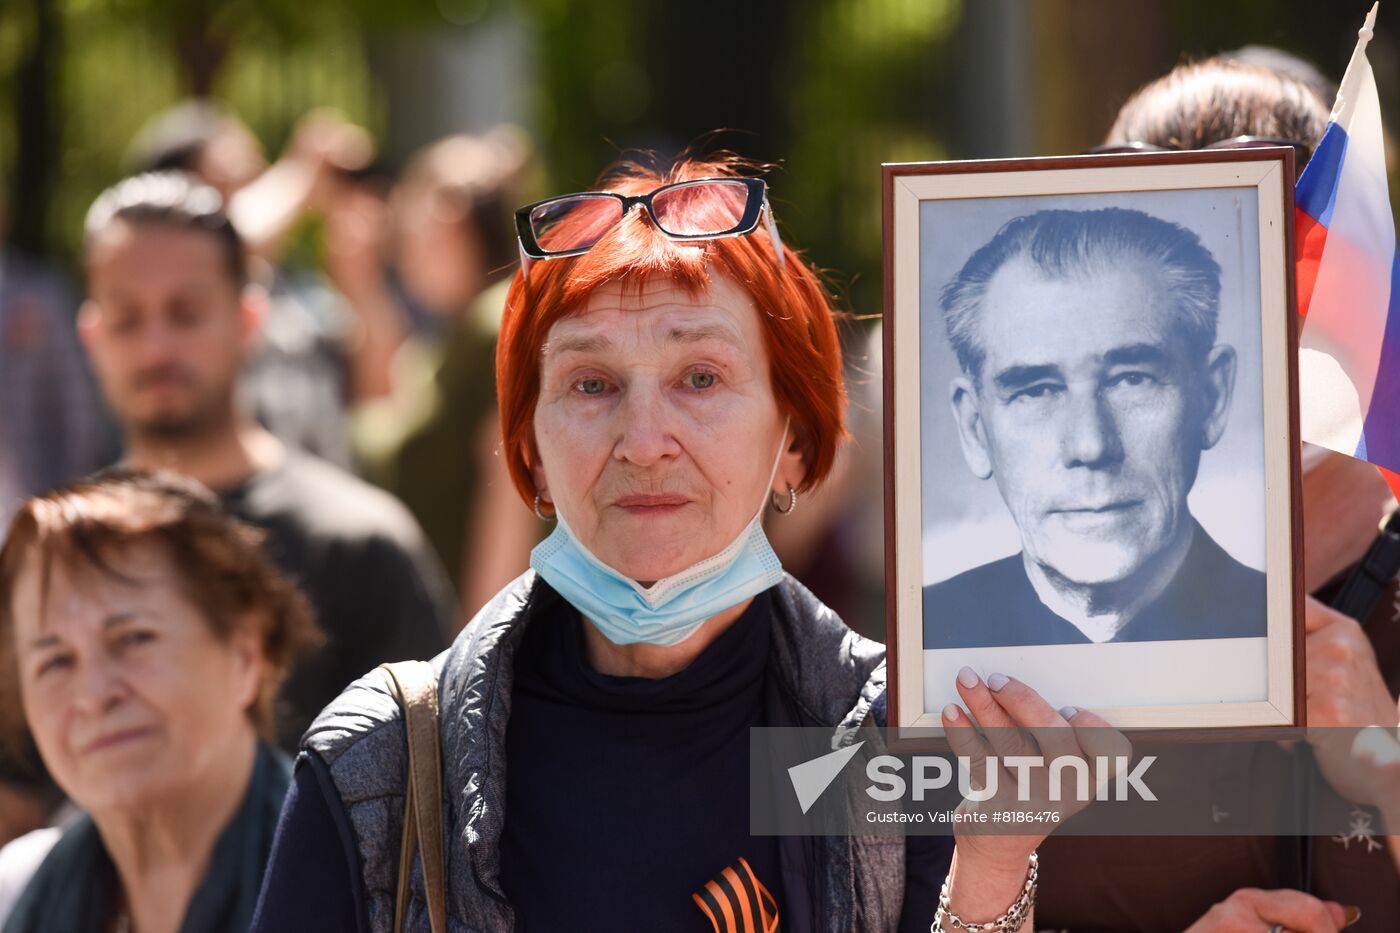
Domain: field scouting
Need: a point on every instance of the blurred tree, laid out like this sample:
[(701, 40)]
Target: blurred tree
[(829, 88), (83, 75), (1323, 33), (868, 81), (35, 122)]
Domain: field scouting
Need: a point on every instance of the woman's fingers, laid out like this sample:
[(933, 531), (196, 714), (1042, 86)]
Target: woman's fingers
[(1011, 713), (965, 742), (1028, 710), (1099, 742), (977, 698), (1294, 910), (1003, 735)]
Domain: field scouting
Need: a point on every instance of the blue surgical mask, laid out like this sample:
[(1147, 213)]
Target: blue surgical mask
[(671, 609)]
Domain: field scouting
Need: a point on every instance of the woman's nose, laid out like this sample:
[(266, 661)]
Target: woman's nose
[(644, 425), (98, 687), (1089, 435)]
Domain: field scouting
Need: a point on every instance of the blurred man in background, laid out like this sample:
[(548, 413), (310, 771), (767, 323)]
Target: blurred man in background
[(169, 323), (299, 382)]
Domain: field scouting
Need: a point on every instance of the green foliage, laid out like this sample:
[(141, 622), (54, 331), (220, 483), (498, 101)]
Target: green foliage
[(587, 54), (121, 61), (866, 85), (828, 88), (846, 84)]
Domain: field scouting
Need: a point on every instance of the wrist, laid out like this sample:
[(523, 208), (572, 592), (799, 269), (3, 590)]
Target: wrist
[(988, 855), (997, 901)]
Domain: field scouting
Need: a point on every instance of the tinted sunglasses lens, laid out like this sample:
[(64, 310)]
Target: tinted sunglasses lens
[(702, 209), (575, 222)]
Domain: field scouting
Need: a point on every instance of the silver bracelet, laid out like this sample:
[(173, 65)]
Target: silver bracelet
[(1010, 922)]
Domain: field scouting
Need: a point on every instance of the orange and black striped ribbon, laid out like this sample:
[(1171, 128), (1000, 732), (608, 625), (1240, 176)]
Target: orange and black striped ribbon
[(737, 902)]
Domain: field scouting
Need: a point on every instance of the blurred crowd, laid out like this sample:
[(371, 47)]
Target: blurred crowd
[(340, 414), (345, 408), (343, 403)]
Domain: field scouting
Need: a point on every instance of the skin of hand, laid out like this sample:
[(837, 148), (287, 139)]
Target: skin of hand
[(1345, 691), (1344, 683), (988, 868), (324, 141), (301, 181), (1250, 910)]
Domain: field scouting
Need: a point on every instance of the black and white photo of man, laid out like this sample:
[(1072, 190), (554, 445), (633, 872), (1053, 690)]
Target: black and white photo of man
[(1090, 383)]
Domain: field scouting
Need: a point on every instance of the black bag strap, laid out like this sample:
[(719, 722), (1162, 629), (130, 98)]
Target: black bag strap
[(1361, 591)]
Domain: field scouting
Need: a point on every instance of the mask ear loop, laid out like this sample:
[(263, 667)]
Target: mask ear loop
[(525, 261), (772, 226), (777, 459)]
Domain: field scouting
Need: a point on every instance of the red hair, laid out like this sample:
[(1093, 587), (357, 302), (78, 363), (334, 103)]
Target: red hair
[(795, 313)]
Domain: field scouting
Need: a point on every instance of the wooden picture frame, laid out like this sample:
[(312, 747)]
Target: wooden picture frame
[(1048, 395)]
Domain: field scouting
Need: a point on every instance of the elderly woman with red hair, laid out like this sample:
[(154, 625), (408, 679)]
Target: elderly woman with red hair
[(667, 371)]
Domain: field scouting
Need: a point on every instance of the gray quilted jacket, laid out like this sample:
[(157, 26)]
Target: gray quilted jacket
[(826, 675)]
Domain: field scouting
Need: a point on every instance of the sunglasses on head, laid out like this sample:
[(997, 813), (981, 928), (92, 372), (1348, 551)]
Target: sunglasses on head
[(1302, 150), (700, 209)]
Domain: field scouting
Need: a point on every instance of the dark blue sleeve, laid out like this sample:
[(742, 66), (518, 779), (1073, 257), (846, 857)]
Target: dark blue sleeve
[(313, 879), (926, 863)]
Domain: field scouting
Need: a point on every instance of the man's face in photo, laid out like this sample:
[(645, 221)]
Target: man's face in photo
[(1090, 412)]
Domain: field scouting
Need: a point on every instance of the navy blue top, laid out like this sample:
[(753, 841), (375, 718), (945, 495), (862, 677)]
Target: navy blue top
[(313, 879), (661, 763), (625, 795)]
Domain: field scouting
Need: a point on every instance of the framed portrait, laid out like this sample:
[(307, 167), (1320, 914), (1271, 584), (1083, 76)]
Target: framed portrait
[(1091, 436)]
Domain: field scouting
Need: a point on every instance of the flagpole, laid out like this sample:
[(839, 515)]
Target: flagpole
[(1345, 103)]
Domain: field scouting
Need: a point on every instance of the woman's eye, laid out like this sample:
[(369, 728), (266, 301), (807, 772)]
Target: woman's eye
[(700, 380), (591, 386), (56, 663), (132, 639)]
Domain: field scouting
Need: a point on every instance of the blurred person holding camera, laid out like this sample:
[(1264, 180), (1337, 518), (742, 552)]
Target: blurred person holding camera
[(143, 637), (169, 322)]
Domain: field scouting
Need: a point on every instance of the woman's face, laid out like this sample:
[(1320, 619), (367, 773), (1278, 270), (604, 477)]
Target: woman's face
[(656, 425), (437, 257), (128, 693)]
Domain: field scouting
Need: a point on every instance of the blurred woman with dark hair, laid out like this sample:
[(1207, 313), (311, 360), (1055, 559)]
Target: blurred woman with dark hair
[(425, 424), (143, 637), (1221, 103)]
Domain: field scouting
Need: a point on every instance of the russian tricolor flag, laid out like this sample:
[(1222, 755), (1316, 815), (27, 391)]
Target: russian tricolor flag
[(1349, 281)]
